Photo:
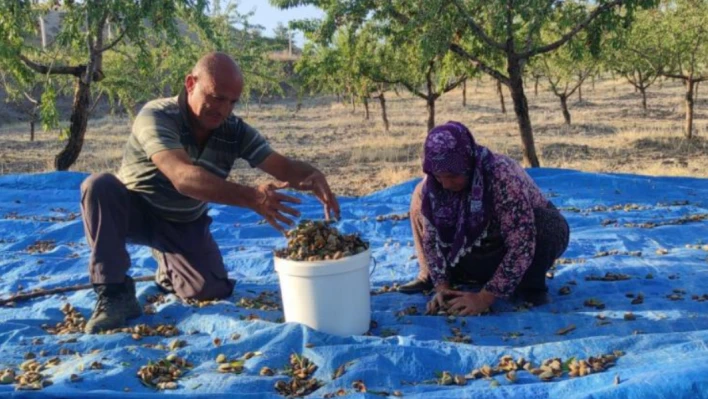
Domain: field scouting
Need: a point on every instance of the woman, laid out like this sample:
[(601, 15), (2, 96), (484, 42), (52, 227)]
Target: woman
[(478, 216)]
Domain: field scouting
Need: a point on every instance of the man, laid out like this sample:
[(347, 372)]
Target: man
[(177, 159)]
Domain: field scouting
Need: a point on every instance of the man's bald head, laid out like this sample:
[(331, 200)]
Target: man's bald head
[(217, 65), (213, 88)]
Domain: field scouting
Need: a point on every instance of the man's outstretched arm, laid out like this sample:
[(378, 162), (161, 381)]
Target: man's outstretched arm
[(196, 182), (302, 176)]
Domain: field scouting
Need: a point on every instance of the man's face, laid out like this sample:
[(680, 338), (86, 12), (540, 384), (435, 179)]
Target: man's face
[(212, 101)]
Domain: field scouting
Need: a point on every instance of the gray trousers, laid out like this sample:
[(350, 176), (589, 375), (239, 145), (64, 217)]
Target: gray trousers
[(186, 253), (552, 236)]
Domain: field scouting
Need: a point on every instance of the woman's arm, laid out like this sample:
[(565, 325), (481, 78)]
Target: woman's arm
[(513, 208)]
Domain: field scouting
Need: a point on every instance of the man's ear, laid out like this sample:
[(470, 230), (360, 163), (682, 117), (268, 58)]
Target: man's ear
[(190, 81)]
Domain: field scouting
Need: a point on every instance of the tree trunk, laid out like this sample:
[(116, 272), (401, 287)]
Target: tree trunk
[(688, 130), (535, 86), (695, 93), (431, 113), (77, 128), (464, 93), (382, 101), (33, 119), (521, 108), (351, 98), (564, 107), (501, 96), (365, 100), (643, 90), (82, 100), (580, 93), (592, 80)]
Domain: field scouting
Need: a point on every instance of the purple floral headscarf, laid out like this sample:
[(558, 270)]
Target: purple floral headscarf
[(454, 220)]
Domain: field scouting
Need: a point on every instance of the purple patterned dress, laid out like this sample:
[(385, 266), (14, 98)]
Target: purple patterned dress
[(500, 203)]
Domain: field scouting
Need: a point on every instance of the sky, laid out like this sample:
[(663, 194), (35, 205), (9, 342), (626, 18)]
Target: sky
[(269, 16)]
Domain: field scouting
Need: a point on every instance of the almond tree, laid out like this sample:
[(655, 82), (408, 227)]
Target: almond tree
[(416, 55), (88, 31), (511, 29), (566, 69), (681, 49), (497, 36), (629, 59)]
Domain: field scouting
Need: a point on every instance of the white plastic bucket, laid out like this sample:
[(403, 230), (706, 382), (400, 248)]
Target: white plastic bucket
[(331, 296)]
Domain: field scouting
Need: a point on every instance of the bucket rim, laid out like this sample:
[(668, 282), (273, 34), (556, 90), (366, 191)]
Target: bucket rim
[(323, 267), (328, 261)]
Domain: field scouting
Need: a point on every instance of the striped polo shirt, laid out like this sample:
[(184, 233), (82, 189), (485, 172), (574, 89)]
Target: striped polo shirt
[(163, 125)]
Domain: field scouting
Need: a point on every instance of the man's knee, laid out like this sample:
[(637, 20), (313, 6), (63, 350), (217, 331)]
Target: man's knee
[(211, 289), (99, 184)]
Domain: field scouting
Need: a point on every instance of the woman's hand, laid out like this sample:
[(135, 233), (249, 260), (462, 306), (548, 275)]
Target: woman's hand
[(469, 303), (438, 302)]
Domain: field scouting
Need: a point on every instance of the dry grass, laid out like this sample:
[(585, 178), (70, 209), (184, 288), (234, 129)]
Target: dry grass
[(610, 133)]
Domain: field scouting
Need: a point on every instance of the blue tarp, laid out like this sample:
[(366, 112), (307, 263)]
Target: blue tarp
[(665, 350)]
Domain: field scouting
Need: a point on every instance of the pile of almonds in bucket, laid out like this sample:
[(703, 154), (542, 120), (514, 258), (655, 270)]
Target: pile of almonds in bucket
[(318, 240)]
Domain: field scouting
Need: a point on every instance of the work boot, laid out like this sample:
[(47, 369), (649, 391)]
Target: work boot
[(116, 304), (162, 280), (416, 286)]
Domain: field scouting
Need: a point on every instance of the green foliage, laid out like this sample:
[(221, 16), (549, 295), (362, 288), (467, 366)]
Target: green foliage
[(47, 109), (156, 43), (682, 38), (632, 53), (567, 68), (126, 56), (362, 47)]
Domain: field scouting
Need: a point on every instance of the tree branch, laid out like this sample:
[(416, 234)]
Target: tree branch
[(453, 85), (40, 292), (413, 90), (533, 26), (113, 43), (550, 47), (478, 29), (399, 82), (581, 80), (479, 64), (54, 70), (29, 98), (509, 27), (429, 79), (674, 76)]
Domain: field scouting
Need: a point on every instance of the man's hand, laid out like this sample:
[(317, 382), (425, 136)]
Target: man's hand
[(302, 176), (271, 205), (470, 303), (317, 183)]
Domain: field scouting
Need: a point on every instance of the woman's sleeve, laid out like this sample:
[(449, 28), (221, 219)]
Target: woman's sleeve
[(435, 261), (424, 237), (512, 207)]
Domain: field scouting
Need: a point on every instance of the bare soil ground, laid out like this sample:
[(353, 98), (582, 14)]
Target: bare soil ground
[(609, 133)]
